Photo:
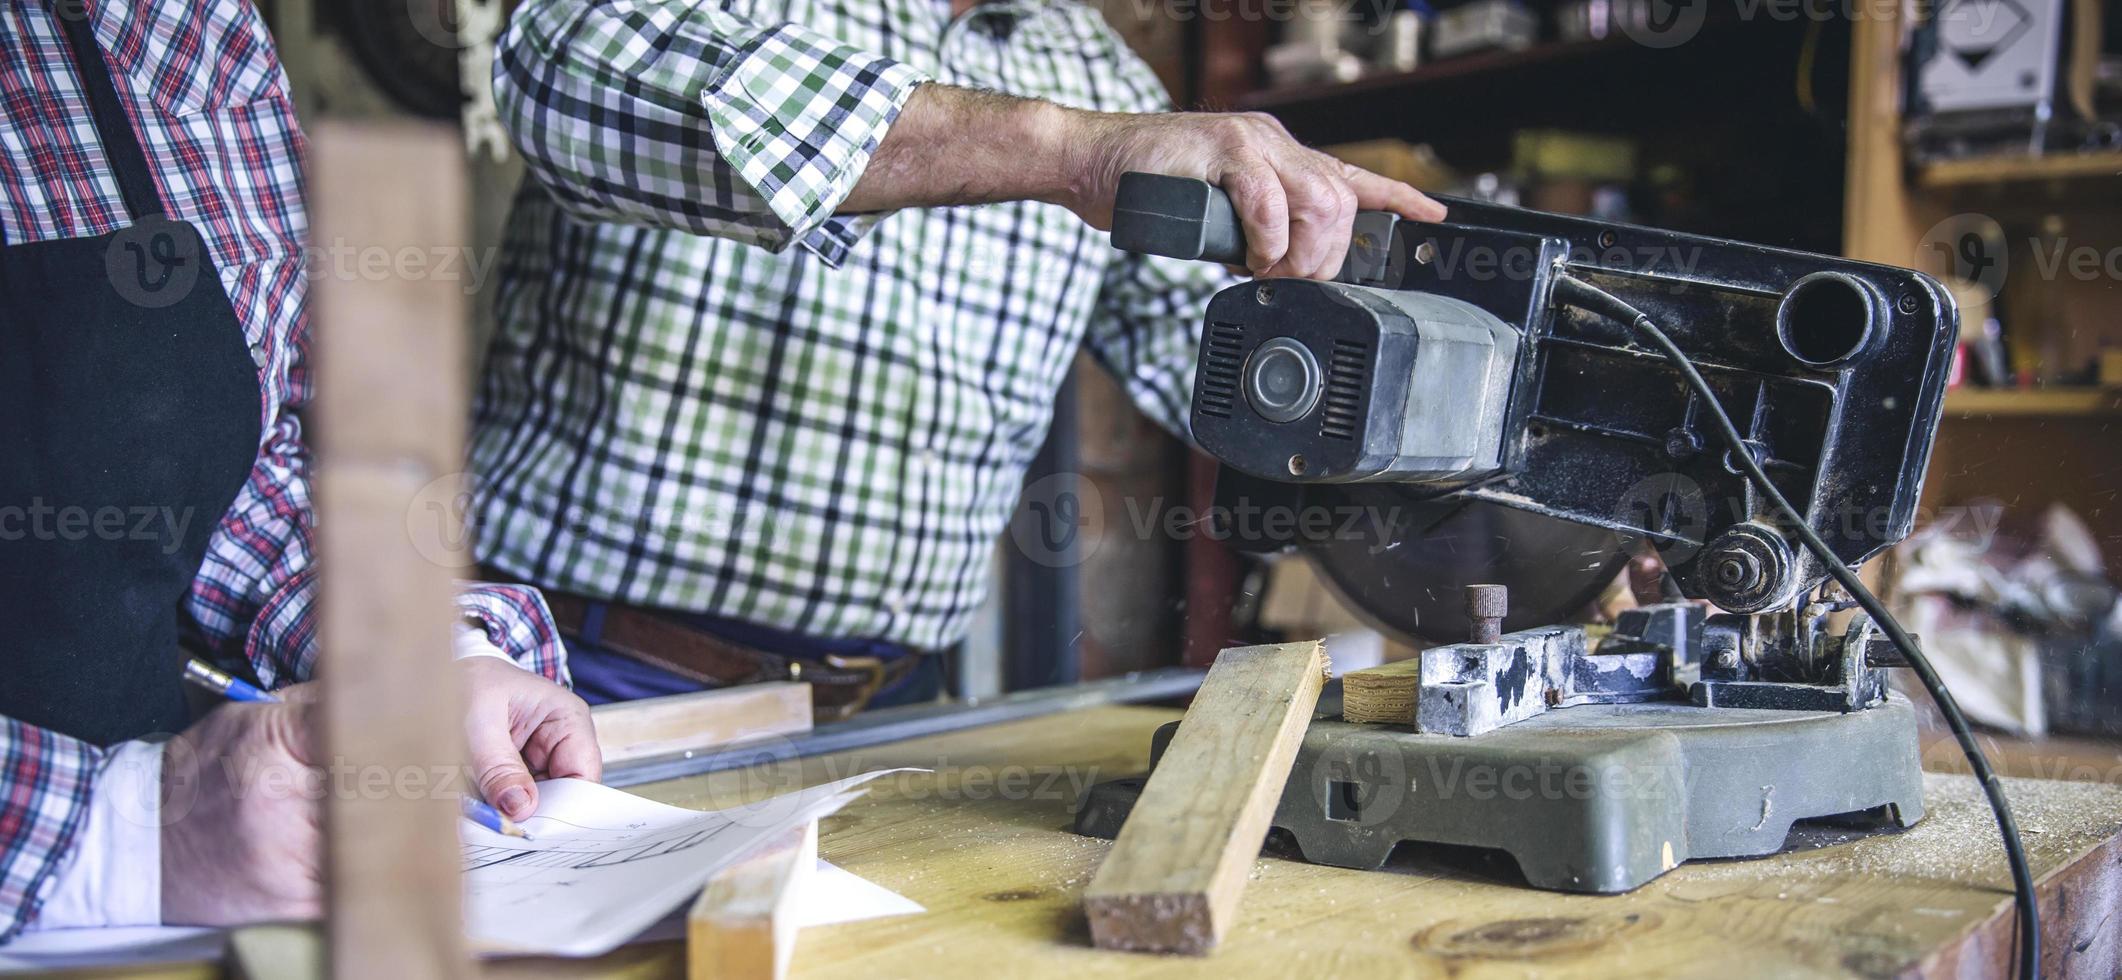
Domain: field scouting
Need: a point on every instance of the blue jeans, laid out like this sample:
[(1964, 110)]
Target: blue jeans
[(602, 674)]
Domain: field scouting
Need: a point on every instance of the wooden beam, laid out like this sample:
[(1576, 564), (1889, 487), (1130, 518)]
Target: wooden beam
[(1382, 695), (629, 730), (743, 925), (1172, 880), (390, 416)]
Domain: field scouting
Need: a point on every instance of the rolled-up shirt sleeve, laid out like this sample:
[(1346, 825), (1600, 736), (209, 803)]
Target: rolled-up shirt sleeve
[(677, 115), (46, 782)]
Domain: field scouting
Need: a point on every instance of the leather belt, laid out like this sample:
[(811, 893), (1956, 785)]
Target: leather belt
[(840, 685)]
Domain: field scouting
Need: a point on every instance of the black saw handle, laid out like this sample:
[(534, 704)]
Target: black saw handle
[(1180, 217), (1190, 218)]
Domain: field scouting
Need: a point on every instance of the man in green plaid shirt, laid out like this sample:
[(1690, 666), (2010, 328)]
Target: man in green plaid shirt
[(764, 388)]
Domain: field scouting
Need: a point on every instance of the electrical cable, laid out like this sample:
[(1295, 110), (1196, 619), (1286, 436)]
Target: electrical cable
[(1585, 296)]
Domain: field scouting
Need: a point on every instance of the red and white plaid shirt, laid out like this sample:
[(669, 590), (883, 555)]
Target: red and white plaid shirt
[(207, 95)]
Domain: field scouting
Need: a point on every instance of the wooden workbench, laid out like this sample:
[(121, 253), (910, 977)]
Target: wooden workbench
[(984, 845)]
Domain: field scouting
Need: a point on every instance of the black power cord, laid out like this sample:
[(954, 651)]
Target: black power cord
[(1585, 296)]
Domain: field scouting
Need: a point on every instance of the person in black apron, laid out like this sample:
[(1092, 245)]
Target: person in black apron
[(127, 388)]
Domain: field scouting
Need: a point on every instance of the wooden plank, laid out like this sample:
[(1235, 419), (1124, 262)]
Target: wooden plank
[(1382, 695), (630, 730), (1175, 873), (743, 925), (390, 417)]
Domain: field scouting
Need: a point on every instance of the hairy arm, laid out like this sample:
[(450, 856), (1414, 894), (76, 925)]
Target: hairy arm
[(956, 146)]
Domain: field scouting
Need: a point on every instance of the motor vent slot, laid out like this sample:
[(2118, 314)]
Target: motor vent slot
[(1222, 357), (1347, 382)]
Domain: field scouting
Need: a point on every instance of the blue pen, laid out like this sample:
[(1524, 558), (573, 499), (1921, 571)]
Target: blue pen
[(236, 689), (232, 688), (483, 814)]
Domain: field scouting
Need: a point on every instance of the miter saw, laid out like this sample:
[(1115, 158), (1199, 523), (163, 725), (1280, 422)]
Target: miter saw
[(1517, 403)]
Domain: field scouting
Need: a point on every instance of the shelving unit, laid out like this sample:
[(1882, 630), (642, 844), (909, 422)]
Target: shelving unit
[(2023, 403), (1985, 171), (2028, 448), (1535, 58)]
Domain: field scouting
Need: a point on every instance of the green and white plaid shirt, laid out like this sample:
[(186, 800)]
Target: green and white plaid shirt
[(708, 393)]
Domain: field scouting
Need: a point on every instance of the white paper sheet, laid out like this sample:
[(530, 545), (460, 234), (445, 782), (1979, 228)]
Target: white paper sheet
[(604, 867), (834, 895)]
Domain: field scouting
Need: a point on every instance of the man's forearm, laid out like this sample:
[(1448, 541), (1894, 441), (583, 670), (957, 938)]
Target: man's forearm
[(955, 146)]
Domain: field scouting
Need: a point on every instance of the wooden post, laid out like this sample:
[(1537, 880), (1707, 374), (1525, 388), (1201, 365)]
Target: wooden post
[(1172, 880), (1881, 220), (390, 417)]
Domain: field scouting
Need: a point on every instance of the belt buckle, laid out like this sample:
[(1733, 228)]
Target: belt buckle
[(873, 669)]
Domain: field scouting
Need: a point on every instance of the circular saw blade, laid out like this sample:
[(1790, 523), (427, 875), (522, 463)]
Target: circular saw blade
[(1407, 565)]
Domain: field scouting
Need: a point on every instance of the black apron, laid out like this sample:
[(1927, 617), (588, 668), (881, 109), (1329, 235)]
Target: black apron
[(128, 422)]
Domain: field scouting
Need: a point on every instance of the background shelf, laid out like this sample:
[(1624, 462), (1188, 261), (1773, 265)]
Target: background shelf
[(2021, 169), (1979, 403)]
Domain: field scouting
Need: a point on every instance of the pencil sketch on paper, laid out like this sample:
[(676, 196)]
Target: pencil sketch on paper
[(587, 855)]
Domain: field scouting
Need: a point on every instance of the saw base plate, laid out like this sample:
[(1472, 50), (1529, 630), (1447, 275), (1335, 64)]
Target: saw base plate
[(1592, 798)]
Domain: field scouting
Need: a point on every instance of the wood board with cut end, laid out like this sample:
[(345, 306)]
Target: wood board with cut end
[(743, 925), (1175, 874), (1383, 695), (650, 727)]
